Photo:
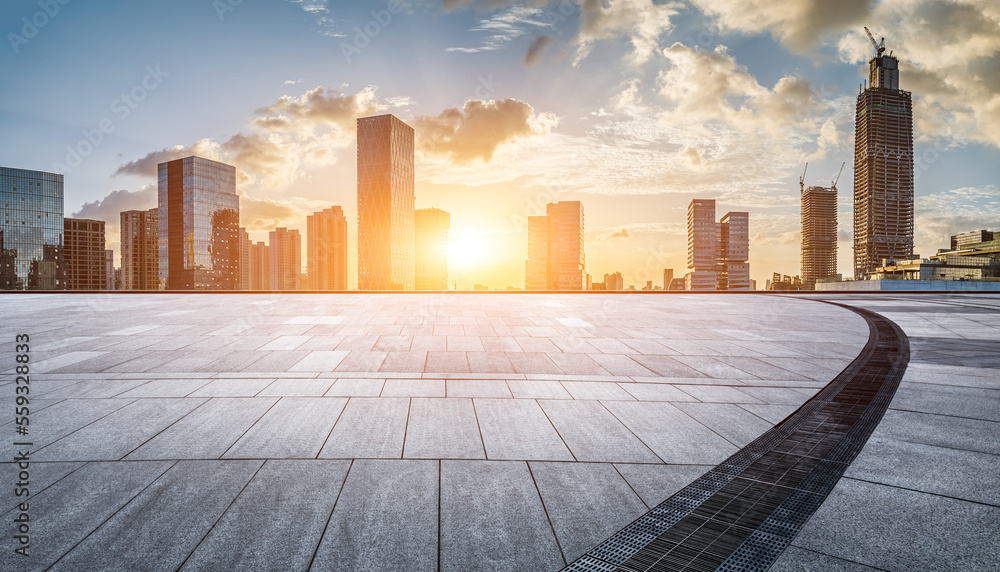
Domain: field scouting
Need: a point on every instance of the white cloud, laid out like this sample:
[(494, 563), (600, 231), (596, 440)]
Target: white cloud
[(641, 21), (506, 26)]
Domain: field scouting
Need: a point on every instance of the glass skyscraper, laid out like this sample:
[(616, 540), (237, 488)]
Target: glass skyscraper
[(199, 216), (31, 230), (385, 204)]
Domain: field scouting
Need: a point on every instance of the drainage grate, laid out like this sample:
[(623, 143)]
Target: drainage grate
[(743, 513)]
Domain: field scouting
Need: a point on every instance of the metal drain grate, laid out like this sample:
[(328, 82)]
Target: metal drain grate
[(743, 513)]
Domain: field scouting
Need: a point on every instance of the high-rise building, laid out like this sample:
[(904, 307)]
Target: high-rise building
[(246, 247), (140, 235), (734, 251), (31, 230), (668, 275), (431, 250), (199, 214), (260, 266), (285, 248), (819, 234), (883, 169), (385, 204), (718, 252), (84, 254), (326, 249), (614, 281), (109, 270), (555, 249)]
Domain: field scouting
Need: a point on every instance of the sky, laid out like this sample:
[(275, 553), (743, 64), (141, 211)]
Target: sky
[(634, 107)]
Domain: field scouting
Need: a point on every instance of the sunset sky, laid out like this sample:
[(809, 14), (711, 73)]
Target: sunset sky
[(633, 107)]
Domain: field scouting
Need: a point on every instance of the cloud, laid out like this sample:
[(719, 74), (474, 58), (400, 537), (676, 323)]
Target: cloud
[(506, 26), (147, 165), (292, 81), (266, 214), (478, 129), (318, 106), (311, 6), (109, 210), (642, 21), (537, 49)]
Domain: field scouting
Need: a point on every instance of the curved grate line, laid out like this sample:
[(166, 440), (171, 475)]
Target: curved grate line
[(744, 512)]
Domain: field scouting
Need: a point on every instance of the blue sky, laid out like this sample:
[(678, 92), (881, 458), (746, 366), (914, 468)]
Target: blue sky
[(632, 106)]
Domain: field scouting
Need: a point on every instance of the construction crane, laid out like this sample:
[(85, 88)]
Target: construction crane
[(802, 179), (834, 186), (879, 46)]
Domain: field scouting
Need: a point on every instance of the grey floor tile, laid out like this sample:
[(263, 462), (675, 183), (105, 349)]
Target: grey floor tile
[(181, 505), (359, 360), (655, 392), (771, 413), (478, 388), (524, 362), (166, 388), (95, 388), (356, 388), (518, 429), (247, 387), (413, 388), (656, 483), (443, 429), (711, 367), (446, 362), (618, 364), (206, 432), (55, 422), (596, 390), (489, 362), (594, 434), (779, 395), (795, 559), (493, 519), (386, 519), (670, 433), (586, 503), (718, 394), (297, 388), (295, 427), (42, 476), (285, 500), (537, 389), (736, 425), (372, 428), (577, 364), (975, 403), (404, 362)]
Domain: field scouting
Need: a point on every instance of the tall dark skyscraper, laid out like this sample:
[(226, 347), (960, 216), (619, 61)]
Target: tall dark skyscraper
[(140, 250), (385, 204), (883, 168), (31, 230), (199, 215), (326, 249), (819, 234)]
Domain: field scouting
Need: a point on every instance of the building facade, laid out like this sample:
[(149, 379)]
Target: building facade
[(556, 259), (285, 249), (734, 251), (718, 252), (84, 254), (199, 215), (883, 170), (819, 235), (246, 246), (326, 249), (431, 250), (385, 204), (260, 266), (140, 235), (31, 230), (111, 282)]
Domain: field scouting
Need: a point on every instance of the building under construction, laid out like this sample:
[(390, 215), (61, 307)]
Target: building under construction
[(883, 167), (819, 232)]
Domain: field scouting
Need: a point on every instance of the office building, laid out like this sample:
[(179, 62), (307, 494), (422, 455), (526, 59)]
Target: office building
[(260, 266), (199, 215), (431, 250), (83, 241), (285, 248), (31, 230), (385, 204), (555, 249), (976, 240), (883, 169), (140, 237), (819, 234), (326, 249), (246, 246), (109, 270), (718, 252), (668, 275)]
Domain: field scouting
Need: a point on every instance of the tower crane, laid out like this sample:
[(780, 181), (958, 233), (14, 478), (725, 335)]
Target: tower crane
[(802, 179), (879, 46), (834, 186)]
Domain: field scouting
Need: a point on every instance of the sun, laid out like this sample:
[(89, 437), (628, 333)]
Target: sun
[(469, 249)]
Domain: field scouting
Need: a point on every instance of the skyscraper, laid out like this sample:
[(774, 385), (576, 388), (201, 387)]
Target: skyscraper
[(109, 270), (555, 249), (883, 168), (246, 249), (431, 249), (84, 254), (819, 234), (199, 215), (385, 204), (326, 249), (31, 230), (140, 235), (285, 248), (717, 251), (260, 266)]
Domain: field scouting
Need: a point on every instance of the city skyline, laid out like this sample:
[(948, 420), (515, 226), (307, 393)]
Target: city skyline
[(617, 127)]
